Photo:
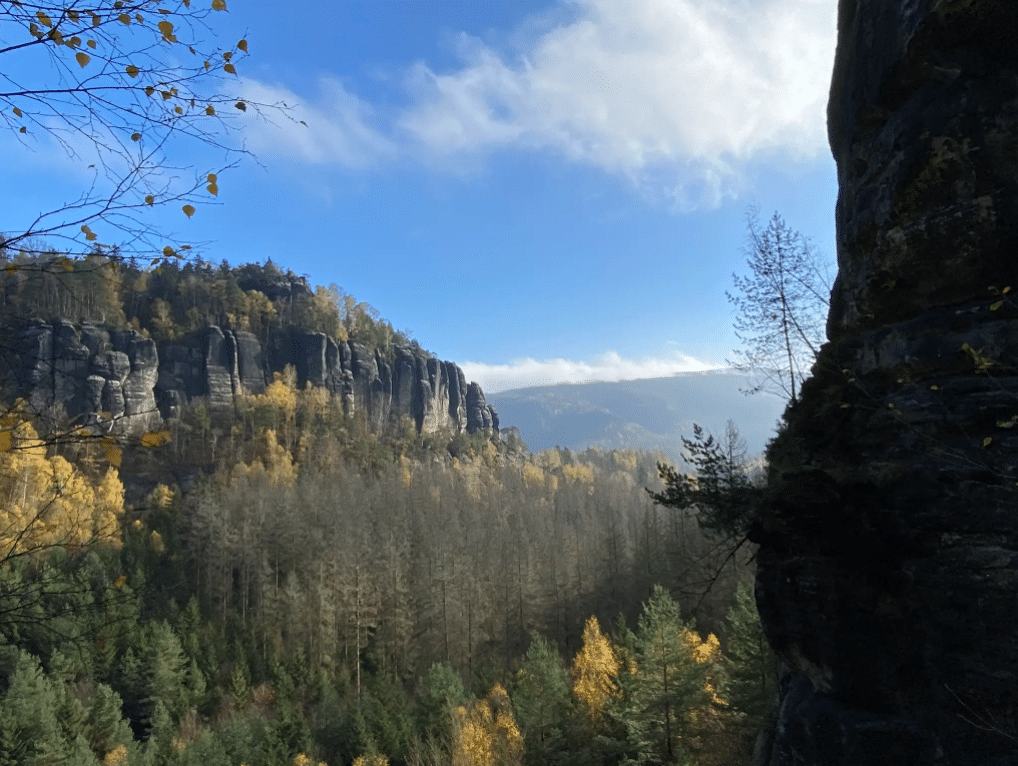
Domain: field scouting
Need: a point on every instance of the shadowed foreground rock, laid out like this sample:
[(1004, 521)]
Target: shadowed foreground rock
[(888, 566)]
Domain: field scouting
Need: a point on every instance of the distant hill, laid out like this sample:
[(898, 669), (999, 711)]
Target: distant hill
[(643, 414)]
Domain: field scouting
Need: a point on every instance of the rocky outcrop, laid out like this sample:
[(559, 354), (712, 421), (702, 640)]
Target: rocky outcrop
[(120, 380), (433, 393), (888, 562)]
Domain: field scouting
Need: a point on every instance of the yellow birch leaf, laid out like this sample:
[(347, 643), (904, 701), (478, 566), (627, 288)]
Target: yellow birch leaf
[(73, 15), (132, 70), (17, 111), (74, 42), (82, 59), (96, 21), (56, 36), (213, 189), (163, 10), (166, 95), (45, 20), (89, 234), (229, 68), (166, 28), (212, 178), (207, 65), (138, 17), (124, 18), (219, 5), (149, 200), (178, 110), (22, 129), (155, 438), (227, 56), (136, 136), (149, 90), (242, 45), (119, 4), (192, 103), (210, 110), (90, 44), (188, 210), (168, 251), (241, 106), (113, 452), (187, 3)]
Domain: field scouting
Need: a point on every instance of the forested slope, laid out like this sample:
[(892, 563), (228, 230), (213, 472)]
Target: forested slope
[(285, 583)]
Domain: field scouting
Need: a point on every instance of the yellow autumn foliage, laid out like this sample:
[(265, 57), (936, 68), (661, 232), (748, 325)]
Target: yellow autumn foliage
[(46, 501), (579, 472), (371, 760), (533, 476), (487, 734), (595, 669), (116, 757)]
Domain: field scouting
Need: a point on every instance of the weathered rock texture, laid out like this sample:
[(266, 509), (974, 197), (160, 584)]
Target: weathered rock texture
[(888, 566), (89, 371)]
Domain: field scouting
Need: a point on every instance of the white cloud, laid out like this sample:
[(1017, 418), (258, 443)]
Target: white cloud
[(610, 367), (338, 126), (676, 96), (672, 93)]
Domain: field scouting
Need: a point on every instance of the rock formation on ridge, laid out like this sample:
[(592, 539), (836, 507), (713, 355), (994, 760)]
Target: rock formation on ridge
[(888, 564), (89, 370)]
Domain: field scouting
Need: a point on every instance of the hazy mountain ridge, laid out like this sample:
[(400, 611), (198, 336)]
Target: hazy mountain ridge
[(650, 414)]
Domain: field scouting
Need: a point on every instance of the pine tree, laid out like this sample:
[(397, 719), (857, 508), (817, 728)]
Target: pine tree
[(29, 732), (541, 699), (750, 664), (663, 683)]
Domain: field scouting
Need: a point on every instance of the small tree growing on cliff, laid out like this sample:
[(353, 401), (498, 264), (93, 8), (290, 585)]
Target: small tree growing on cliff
[(782, 308)]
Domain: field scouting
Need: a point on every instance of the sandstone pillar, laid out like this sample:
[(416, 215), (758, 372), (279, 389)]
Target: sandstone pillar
[(888, 566)]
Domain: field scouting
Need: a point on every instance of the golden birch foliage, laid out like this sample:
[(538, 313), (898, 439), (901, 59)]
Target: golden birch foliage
[(116, 757), (274, 465), (705, 651), (371, 760), (533, 476), (595, 670), (487, 734), (580, 473), (47, 501)]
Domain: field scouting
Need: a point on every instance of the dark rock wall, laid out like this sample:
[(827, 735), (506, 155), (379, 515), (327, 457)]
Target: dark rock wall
[(89, 371), (888, 565)]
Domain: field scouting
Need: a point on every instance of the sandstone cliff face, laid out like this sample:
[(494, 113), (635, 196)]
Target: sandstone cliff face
[(89, 371), (888, 566)]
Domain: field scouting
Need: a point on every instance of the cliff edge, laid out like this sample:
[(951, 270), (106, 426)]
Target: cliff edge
[(121, 381)]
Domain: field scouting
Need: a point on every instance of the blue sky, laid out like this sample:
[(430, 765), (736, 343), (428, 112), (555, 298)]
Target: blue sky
[(539, 191)]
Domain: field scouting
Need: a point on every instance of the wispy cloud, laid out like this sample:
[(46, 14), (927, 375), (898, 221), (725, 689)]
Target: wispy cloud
[(334, 126), (610, 366), (676, 96)]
